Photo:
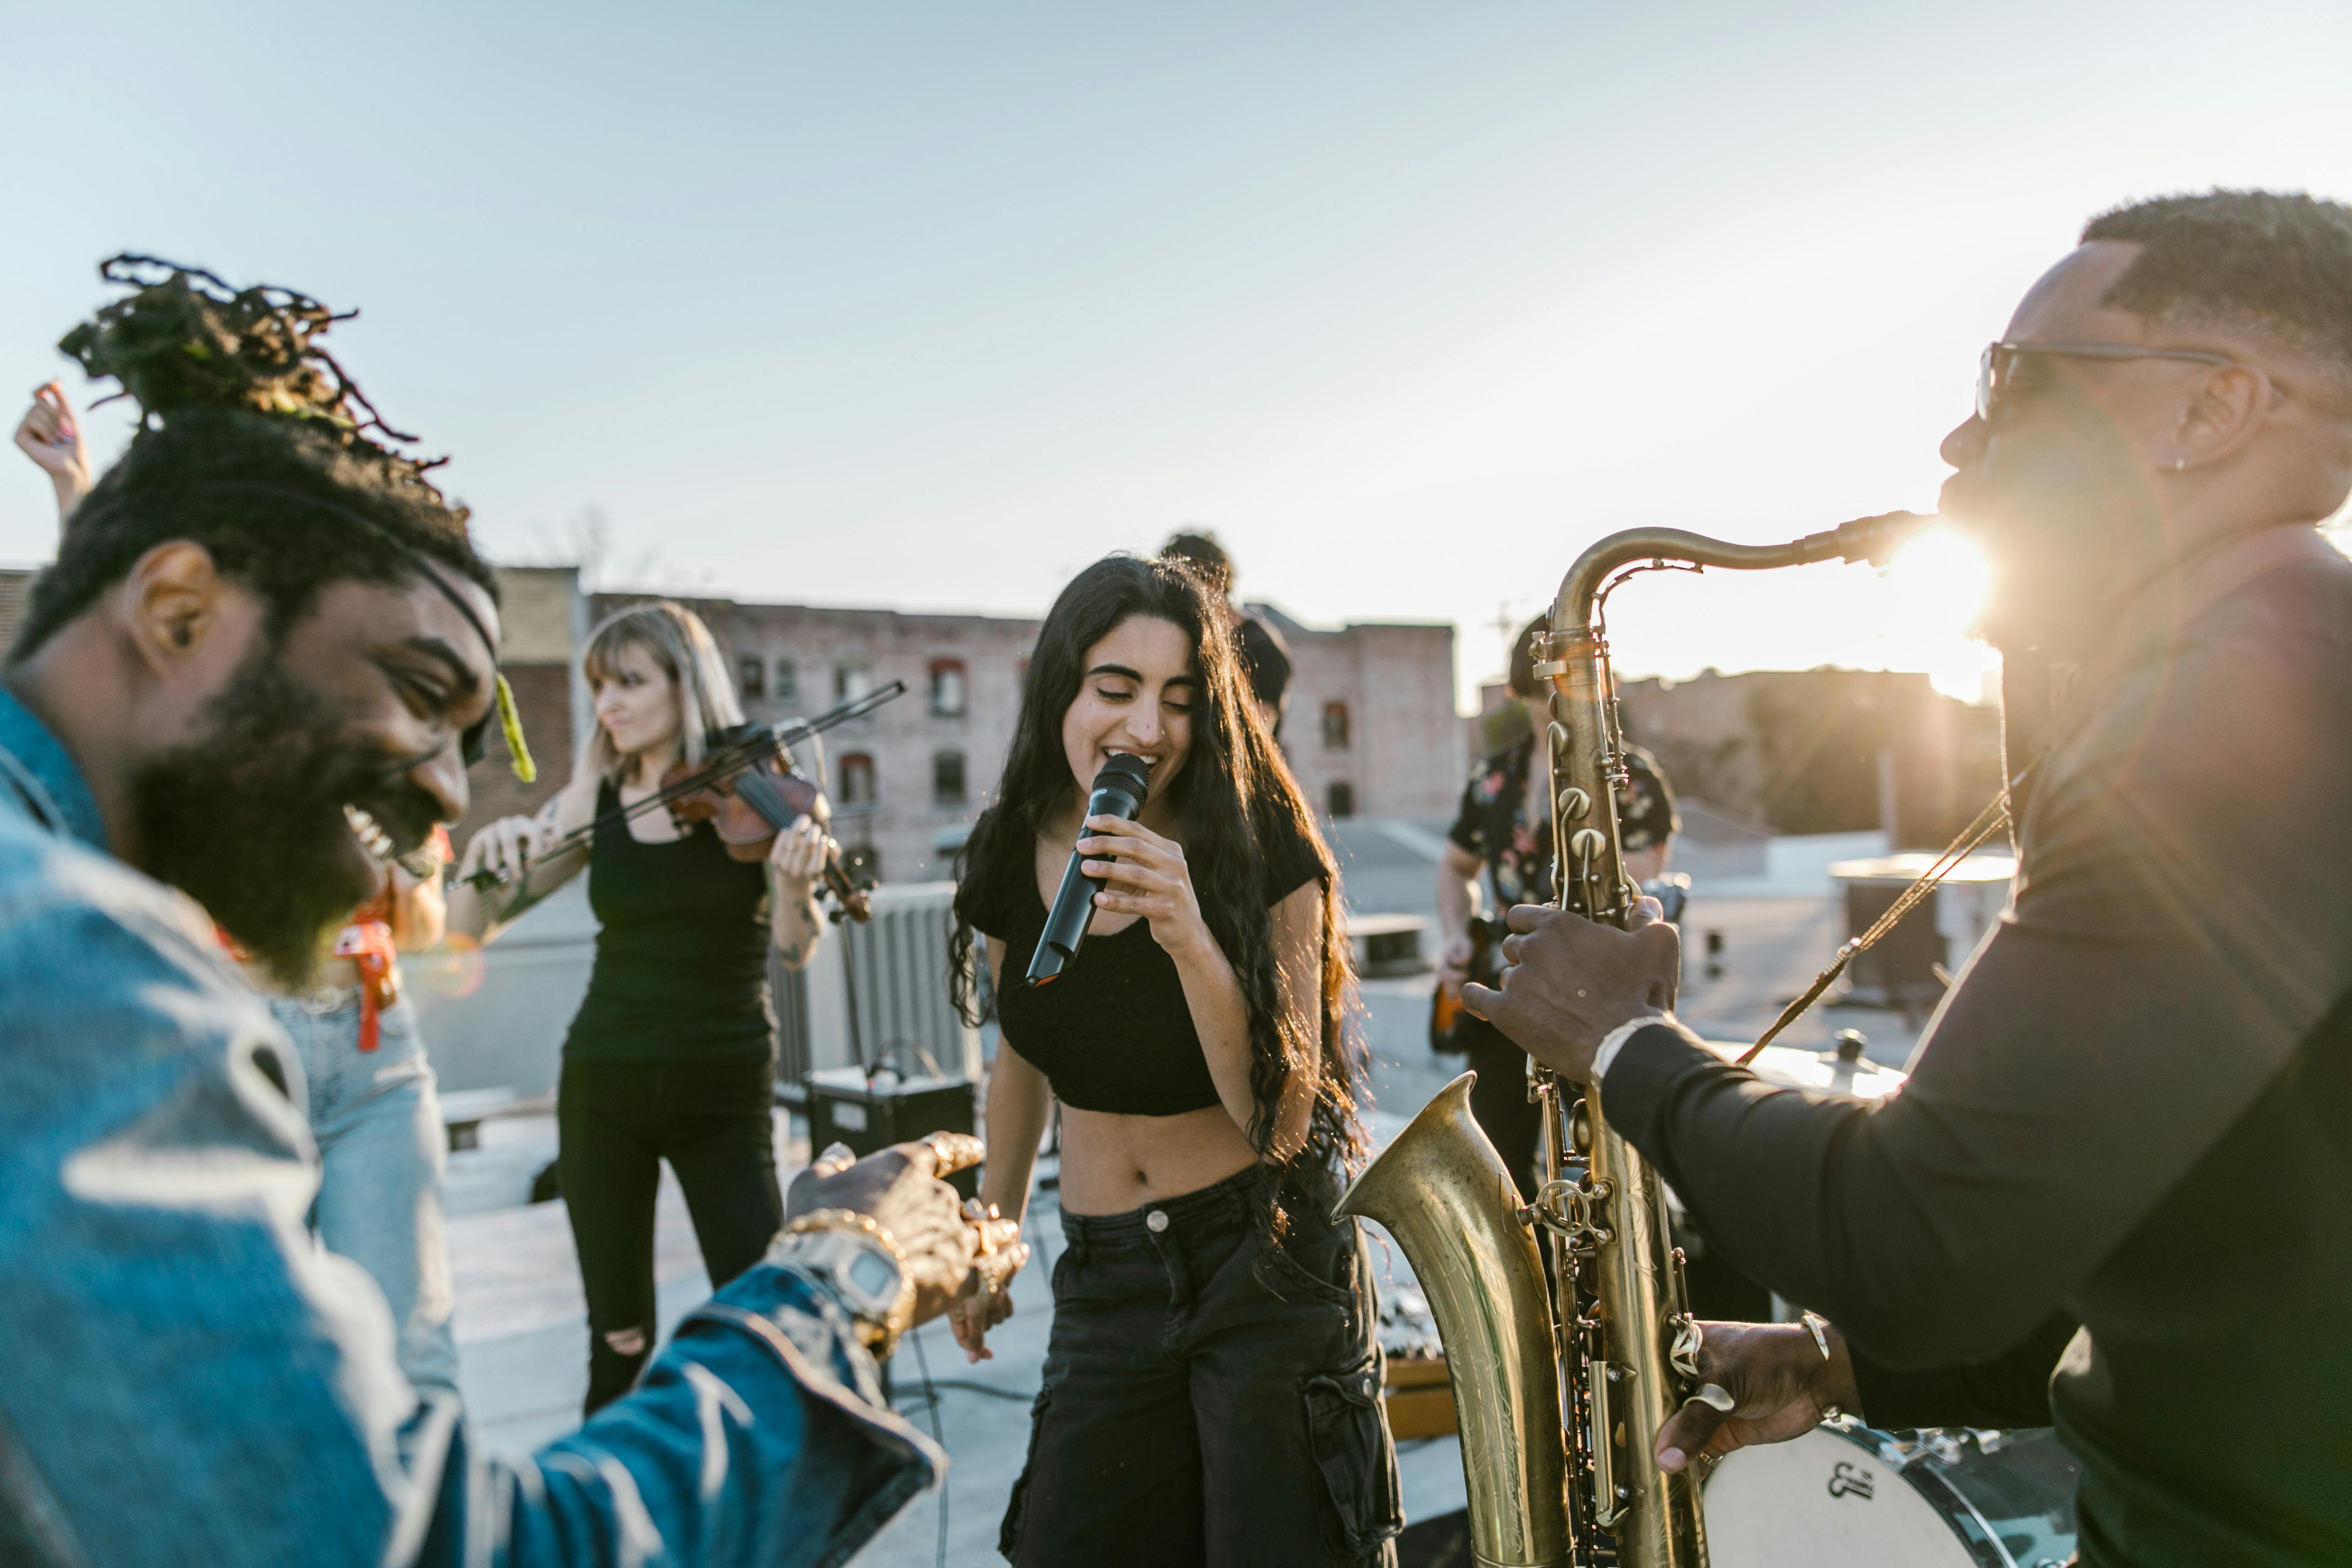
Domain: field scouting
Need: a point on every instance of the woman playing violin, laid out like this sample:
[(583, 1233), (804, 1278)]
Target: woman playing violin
[(672, 1055)]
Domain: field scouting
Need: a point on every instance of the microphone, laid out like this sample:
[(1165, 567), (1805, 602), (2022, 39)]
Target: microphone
[(1119, 791)]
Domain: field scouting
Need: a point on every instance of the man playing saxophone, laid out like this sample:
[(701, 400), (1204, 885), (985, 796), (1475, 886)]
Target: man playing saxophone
[(2131, 1111)]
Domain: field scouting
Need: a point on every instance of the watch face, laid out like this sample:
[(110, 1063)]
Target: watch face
[(873, 1274)]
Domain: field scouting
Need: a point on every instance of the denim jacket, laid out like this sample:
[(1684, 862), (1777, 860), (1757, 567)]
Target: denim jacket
[(185, 1378)]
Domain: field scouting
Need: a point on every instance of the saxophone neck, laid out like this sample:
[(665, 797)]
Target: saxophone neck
[(1871, 539)]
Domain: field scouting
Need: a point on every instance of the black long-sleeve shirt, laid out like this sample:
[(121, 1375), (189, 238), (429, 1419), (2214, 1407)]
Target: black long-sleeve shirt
[(2136, 1105), (2011, 1390)]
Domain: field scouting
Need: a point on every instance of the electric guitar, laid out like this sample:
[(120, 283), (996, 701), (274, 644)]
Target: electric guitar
[(1447, 1016)]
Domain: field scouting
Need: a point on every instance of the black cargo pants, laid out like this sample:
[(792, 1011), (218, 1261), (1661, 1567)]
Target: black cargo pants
[(1207, 1401)]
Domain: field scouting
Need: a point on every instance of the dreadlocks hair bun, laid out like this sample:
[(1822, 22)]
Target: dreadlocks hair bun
[(187, 340), (253, 442)]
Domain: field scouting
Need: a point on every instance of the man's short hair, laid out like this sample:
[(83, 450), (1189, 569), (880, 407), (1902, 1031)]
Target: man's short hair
[(2274, 265), (1200, 554)]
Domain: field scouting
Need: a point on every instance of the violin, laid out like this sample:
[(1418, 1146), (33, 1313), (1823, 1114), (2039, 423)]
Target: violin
[(746, 788), (752, 795)]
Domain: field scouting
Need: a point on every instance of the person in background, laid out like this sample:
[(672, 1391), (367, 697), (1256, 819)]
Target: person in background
[(1503, 832), (673, 1053), (374, 1112), (259, 615), (1211, 1387), (1265, 658)]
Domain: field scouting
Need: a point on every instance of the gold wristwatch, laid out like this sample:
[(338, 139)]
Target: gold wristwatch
[(860, 1259)]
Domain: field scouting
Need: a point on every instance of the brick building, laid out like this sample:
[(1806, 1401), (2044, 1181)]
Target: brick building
[(908, 777), (1804, 751), (1823, 751), (1371, 731)]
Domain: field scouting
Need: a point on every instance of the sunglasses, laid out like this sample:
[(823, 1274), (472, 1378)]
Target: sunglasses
[(1996, 367)]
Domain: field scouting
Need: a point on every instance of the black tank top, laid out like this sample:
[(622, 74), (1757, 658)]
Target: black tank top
[(681, 950), (1113, 1033)]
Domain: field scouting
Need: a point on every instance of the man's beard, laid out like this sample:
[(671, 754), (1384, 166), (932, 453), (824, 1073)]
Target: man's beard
[(248, 819)]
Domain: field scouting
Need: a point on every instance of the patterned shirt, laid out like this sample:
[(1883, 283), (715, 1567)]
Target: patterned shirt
[(1492, 823)]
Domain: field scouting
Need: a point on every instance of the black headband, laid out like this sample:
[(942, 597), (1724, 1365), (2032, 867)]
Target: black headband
[(472, 743)]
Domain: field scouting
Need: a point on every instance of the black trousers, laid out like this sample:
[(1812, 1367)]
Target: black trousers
[(1207, 1401), (618, 1120)]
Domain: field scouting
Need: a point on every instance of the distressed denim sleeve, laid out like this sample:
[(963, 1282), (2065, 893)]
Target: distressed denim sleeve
[(185, 1378), (758, 1436)]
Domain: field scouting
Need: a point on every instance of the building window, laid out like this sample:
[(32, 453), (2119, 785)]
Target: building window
[(1342, 798), (851, 680), (857, 781), (947, 688), (788, 681), (1335, 726), (752, 672), (947, 778)]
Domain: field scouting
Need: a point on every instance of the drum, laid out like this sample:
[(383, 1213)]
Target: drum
[(1844, 1496)]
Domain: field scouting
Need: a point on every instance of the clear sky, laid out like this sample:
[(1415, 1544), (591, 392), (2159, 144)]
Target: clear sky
[(928, 306)]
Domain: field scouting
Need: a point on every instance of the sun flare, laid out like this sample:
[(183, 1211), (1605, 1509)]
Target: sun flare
[(1934, 589)]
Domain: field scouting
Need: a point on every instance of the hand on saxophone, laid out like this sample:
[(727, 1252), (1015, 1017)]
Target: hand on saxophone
[(1776, 1381), (1568, 982)]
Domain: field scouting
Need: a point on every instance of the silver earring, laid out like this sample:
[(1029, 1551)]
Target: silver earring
[(2178, 464)]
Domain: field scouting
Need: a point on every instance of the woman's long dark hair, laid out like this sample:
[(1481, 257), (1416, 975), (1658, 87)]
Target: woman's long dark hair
[(1235, 796)]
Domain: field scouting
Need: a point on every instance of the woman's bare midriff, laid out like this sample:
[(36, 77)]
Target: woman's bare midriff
[(1113, 1163)]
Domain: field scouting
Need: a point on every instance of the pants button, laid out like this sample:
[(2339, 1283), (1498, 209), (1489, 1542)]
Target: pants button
[(1156, 1221)]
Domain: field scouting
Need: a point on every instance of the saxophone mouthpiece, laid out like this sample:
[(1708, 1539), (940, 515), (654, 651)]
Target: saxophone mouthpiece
[(1876, 539)]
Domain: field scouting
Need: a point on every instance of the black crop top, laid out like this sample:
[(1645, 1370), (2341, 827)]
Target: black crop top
[(1113, 1034)]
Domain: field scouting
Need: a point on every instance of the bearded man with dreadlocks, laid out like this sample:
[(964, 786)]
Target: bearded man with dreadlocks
[(261, 619), (374, 1110)]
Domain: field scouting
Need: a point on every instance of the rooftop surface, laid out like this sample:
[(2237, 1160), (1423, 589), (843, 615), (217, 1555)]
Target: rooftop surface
[(521, 1324)]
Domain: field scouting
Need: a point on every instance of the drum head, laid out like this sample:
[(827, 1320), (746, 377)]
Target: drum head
[(1823, 1501), (1832, 1498)]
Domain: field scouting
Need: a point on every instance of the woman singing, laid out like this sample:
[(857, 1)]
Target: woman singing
[(1212, 1392), (672, 1055)]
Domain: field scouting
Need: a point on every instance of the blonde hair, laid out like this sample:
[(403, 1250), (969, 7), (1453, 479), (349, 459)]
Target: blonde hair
[(674, 638)]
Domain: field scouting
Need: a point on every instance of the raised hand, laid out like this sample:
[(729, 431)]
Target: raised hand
[(51, 437)]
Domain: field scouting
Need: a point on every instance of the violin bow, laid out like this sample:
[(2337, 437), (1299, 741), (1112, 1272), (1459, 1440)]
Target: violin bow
[(739, 754)]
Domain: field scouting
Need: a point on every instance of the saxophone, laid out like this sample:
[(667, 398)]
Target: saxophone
[(1560, 1390)]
